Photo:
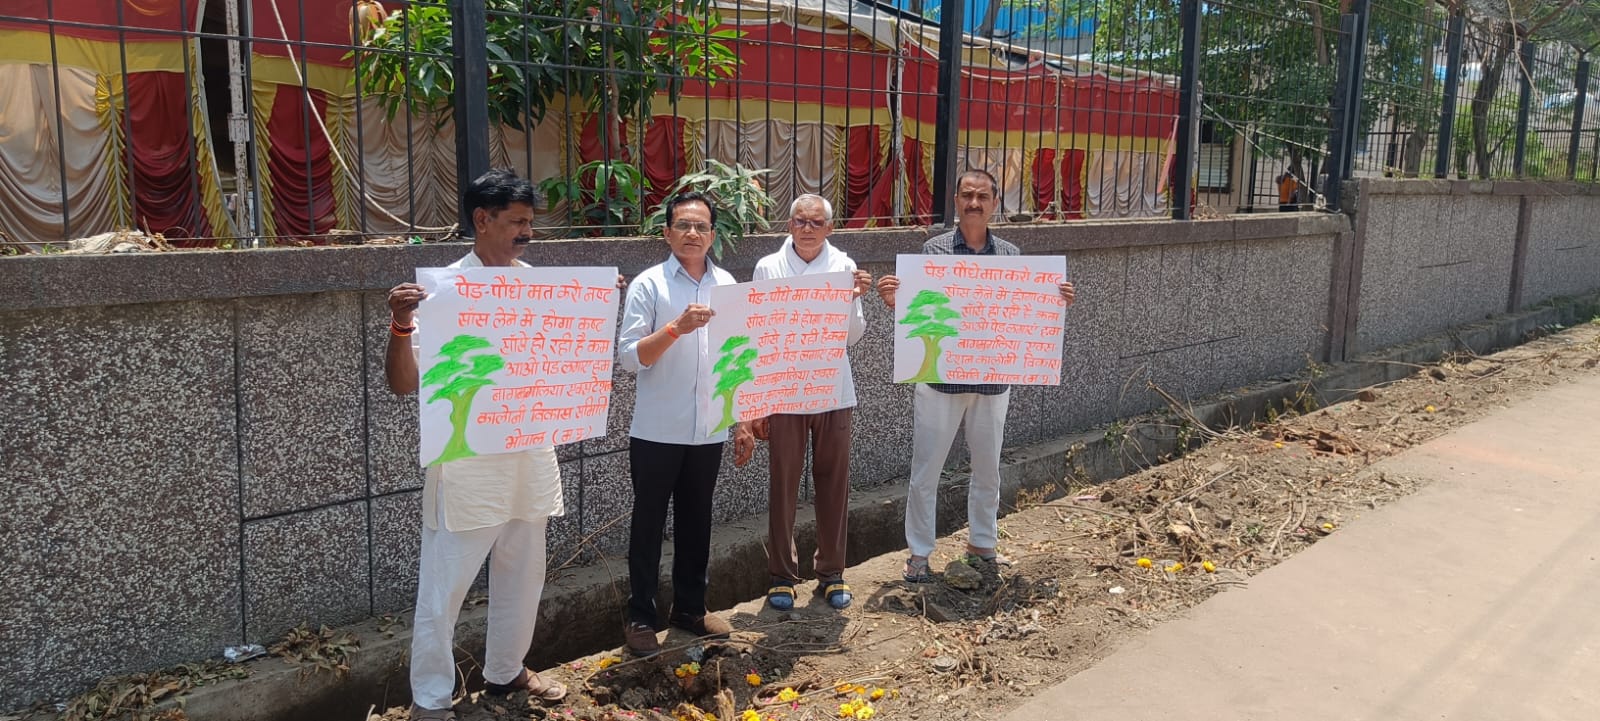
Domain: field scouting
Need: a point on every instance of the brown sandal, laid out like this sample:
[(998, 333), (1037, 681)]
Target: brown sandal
[(544, 691)]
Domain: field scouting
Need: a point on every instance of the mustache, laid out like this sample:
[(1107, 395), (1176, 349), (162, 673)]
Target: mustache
[(522, 240)]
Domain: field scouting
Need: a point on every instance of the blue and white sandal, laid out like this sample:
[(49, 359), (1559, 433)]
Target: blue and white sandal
[(837, 593), (780, 595)]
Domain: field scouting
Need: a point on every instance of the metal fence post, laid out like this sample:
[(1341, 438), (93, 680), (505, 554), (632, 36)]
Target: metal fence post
[(1346, 102), (1452, 86), (1524, 104), (1582, 86), (1187, 158), (952, 44), (469, 41)]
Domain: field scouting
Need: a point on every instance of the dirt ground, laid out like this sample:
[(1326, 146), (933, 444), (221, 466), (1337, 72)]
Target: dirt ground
[(1093, 567)]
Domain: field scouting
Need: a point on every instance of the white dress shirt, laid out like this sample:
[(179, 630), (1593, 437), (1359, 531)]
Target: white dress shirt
[(666, 403), (787, 264), (488, 490)]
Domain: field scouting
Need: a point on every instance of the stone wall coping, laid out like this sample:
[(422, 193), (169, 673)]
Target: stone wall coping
[(1445, 186), (63, 281)]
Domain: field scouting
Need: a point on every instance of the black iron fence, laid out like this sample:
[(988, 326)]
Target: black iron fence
[(227, 122)]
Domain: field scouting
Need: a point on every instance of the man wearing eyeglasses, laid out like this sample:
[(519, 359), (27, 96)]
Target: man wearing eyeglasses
[(940, 409), (807, 252), (669, 459)]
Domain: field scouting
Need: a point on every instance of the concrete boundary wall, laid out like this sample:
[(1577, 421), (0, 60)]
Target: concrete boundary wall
[(201, 450), (1431, 254)]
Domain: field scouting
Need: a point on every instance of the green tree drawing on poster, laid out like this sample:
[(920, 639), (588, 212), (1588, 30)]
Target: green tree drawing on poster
[(929, 320), (460, 378), (732, 370)]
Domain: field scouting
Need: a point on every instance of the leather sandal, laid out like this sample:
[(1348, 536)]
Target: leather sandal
[(916, 570), (531, 682), (432, 714)]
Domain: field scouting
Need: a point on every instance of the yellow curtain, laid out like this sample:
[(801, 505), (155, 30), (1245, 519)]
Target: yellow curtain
[(32, 197), (1123, 184)]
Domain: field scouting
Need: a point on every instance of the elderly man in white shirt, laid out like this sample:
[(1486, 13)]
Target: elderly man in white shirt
[(474, 506), (669, 459), (807, 252)]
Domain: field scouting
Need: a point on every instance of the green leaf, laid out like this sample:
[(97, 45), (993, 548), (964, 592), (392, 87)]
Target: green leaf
[(483, 365), (442, 372), (731, 381), (933, 330), (463, 344), (459, 387), (927, 298)]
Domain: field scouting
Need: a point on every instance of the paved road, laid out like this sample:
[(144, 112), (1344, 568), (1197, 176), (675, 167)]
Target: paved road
[(1478, 599)]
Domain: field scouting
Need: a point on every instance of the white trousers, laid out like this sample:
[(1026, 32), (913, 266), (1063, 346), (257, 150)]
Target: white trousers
[(937, 417), (450, 563)]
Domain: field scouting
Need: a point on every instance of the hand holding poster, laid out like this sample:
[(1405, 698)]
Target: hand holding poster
[(777, 346), (979, 319), (513, 358)]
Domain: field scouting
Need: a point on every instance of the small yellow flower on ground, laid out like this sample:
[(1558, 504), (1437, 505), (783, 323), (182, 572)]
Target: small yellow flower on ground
[(1429, 409), (1145, 563), (847, 709), (753, 678), (1327, 526), (750, 714), (787, 695), (607, 662), (1174, 568), (877, 693), (864, 712), (1277, 444), (842, 688), (1209, 566)]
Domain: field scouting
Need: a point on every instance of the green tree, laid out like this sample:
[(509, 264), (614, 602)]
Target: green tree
[(544, 50), (742, 203), (929, 320), (609, 57), (606, 195), (732, 370), (1271, 64), (459, 379)]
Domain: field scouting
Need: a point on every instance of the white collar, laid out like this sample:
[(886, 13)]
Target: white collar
[(799, 265)]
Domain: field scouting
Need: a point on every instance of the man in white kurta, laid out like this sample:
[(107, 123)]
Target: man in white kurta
[(807, 252), (493, 506)]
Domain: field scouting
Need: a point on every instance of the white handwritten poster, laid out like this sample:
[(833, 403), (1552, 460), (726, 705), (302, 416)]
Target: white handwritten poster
[(979, 319), (513, 358), (777, 346)]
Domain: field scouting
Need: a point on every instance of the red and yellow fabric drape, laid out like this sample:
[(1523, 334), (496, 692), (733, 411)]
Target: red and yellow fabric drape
[(100, 128)]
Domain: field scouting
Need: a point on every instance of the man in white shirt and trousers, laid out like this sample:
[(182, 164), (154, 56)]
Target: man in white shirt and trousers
[(463, 518), (807, 252), (670, 461)]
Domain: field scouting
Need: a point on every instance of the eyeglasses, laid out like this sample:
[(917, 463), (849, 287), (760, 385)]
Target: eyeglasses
[(806, 223), (685, 226)]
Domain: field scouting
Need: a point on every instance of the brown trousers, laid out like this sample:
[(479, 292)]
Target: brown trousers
[(829, 434)]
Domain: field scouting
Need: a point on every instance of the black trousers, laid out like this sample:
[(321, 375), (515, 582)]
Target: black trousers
[(687, 476)]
